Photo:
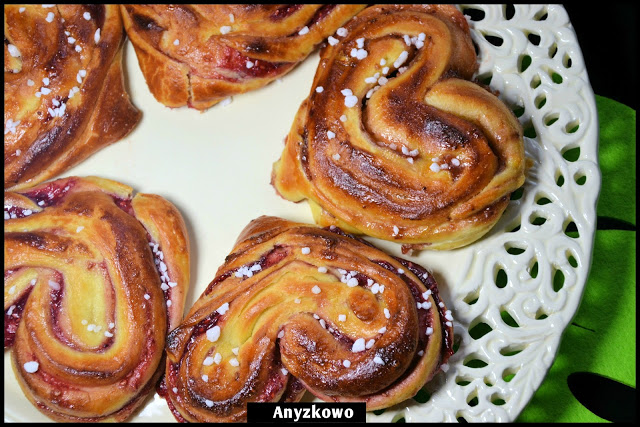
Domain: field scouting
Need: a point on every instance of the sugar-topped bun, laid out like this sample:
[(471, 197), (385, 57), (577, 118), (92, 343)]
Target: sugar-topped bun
[(297, 307), (395, 142), (94, 279), (64, 95), (198, 55)]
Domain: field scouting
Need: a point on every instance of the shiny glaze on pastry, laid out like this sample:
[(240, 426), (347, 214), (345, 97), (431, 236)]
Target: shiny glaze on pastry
[(94, 279), (64, 95), (198, 55), (395, 142), (296, 307)]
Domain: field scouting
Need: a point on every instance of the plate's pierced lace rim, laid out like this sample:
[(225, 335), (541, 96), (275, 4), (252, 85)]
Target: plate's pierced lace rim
[(524, 283)]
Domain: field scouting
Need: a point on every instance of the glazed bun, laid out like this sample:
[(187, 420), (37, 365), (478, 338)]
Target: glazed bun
[(64, 94), (395, 142), (198, 55), (298, 308)]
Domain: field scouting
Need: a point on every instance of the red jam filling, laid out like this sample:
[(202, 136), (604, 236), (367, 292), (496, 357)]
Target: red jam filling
[(134, 379), (293, 390), (163, 390), (164, 393), (321, 13), (12, 318), (340, 337), (50, 194), (237, 62), (276, 382), (277, 254), (56, 295), (205, 324), (284, 11), (288, 10), (124, 204), (13, 212), (217, 280)]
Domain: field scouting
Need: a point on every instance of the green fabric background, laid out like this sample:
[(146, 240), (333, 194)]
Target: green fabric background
[(602, 336)]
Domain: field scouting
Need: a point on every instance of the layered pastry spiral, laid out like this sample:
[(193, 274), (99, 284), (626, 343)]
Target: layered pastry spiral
[(394, 141), (198, 55), (297, 307), (64, 96), (94, 278)]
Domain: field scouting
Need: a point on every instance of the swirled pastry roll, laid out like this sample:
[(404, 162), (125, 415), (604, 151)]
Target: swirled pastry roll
[(64, 96), (198, 55), (296, 307), (94, 278), (395, 142)]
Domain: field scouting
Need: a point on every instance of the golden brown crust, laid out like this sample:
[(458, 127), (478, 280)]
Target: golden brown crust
[(84, 294), (398, 144), (298, 307), (197, 55), (63, 88), (166, 227)]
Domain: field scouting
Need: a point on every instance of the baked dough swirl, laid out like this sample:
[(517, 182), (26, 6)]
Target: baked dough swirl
[(94, 279), (64, 95), (198, 55), (297, 307), (395, 142)]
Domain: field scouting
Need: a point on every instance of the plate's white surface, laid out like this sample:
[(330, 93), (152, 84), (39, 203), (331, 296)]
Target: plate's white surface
[(216, 166)]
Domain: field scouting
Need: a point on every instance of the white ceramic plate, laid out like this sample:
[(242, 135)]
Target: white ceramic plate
[(215, 167)]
